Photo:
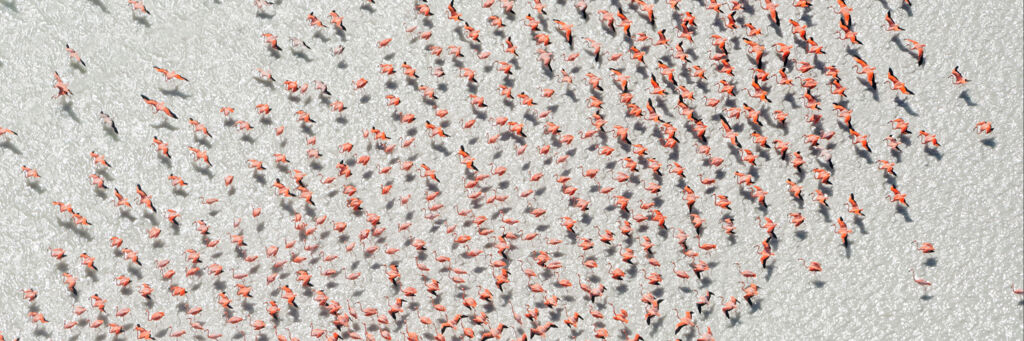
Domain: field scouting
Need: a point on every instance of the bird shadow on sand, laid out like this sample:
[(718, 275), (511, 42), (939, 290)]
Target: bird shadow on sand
[(166, 161), (100, 4), (78, 66), (899, 44), (110, 133), (175, 92), (11, 5), (69, 108), (906, 7), (10, 146), (989, 142), (40, 332), (301, 55), (151, 217), (906, 106), (967, 98), (265, 82), (205, 171), (99, 192), (141, 21), (905, 213), (127, 215), (35, 186), (71, 227), (164, 125)]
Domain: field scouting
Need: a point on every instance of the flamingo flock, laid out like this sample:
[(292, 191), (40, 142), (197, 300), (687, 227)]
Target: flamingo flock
[(491, 170)]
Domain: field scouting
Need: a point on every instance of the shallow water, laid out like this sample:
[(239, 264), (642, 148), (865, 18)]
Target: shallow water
[(966, 197)]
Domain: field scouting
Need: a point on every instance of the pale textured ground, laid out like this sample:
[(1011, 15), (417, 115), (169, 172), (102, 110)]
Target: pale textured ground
[(967, 201)]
